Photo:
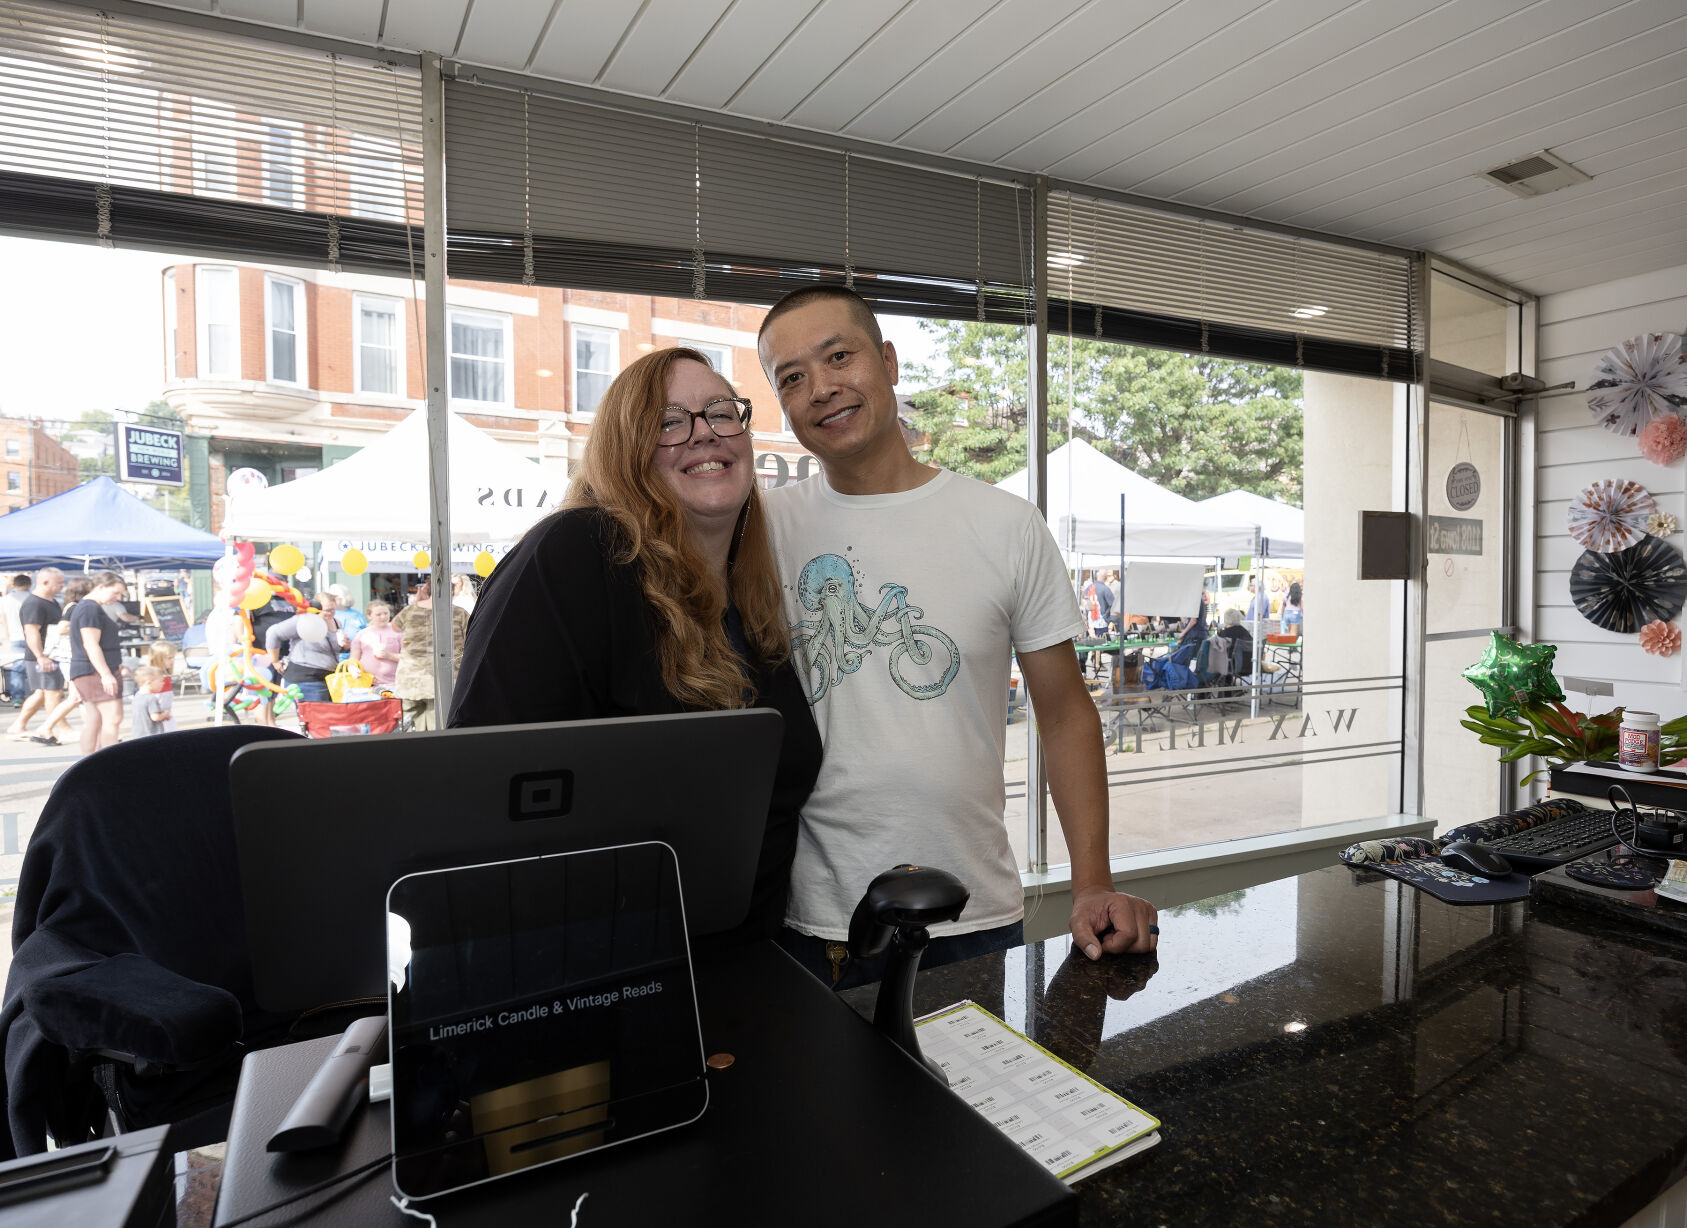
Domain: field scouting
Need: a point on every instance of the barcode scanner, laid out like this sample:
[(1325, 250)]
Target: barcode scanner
[(894, 912)]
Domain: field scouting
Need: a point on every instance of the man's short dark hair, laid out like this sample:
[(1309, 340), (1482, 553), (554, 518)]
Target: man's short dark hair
[(858, 307), (21, 580)]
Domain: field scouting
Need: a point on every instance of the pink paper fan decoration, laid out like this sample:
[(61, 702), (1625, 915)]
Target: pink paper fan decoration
[(1661, 639), (1643, 377), (1663, 441), (1611, 515)]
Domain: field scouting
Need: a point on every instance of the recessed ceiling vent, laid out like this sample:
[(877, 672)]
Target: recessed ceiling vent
[(1536, 175)]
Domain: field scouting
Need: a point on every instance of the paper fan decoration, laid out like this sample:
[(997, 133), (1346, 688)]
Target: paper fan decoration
[(1610, 515), (1626, 590), (1643, 377)]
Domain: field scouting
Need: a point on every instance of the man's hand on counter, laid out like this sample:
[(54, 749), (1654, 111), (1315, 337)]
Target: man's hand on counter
[(1109, 921)]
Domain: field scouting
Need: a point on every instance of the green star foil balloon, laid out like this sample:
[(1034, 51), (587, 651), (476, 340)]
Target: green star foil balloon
[(1511, 674)]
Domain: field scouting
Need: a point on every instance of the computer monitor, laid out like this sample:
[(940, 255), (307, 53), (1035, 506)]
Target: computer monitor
[(315, 874)]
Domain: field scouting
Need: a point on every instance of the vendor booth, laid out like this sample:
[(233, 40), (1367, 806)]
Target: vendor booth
[(375, 502)]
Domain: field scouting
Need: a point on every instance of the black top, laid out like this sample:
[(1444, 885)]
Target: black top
[(42, 612), (561, 632), (88, 614)]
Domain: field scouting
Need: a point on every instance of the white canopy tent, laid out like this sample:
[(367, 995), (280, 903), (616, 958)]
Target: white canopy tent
[(1282, 524), (381, 494), (1091, 497)]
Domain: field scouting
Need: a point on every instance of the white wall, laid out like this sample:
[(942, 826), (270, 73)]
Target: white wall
[(1576, 328)]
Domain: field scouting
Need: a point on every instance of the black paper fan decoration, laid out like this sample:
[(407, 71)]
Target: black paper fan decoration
[(1626, 589)]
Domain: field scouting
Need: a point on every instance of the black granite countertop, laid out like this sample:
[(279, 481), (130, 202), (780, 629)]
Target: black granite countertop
[(1339, 1048)]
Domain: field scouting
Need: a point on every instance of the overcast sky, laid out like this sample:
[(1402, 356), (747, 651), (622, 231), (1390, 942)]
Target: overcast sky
[(81, 328)]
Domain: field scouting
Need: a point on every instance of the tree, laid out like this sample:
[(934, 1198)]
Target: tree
[(1196, 425)]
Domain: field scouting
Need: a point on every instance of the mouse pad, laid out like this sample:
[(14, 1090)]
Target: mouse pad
[(1455, 886)]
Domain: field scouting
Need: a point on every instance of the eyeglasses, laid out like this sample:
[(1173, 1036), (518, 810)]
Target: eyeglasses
[(726, 416)]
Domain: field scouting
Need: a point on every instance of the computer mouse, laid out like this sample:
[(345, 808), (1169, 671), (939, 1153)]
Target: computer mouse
[(1473, 858)]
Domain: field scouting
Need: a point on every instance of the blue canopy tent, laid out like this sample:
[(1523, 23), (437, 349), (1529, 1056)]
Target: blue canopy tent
[(99, 524)]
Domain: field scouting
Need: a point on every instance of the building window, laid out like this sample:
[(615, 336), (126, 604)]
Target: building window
[(596, 363), (380, 346), (284, 306), (284, 181), (480, 357), (13, 451), (218, 310), (170, 324), (719, 356), (215, 169), (377, 183), (14, 482)]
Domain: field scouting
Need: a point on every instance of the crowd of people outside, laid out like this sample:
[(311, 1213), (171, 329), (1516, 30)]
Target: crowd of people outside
[(70, 678)]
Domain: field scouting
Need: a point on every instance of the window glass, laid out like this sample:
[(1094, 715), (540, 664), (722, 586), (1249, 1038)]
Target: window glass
[(1469, 327), (719, 356), (13, 451), (380, 346), (479, 357), (283, 182), (1186, 493), (171, 348), (595, 366), (285, 305), (215, 168), (14, 481), (218, 308)]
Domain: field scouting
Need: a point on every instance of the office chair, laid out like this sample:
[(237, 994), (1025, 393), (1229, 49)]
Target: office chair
[(129, 1001)]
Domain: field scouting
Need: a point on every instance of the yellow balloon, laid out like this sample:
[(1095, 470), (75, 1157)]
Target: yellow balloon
[(286, 559), (353, 562), (258, 595), (484, 563), (421, 560)]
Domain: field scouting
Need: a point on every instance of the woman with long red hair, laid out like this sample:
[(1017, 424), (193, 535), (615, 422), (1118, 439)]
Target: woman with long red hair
[(652, 591)]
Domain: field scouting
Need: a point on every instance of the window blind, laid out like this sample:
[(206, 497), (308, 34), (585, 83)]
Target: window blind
[(1133, 274), (559, 192), (151, 134)]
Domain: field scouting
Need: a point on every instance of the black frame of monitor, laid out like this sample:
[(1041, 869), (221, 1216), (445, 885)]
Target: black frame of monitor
[(315, 877)]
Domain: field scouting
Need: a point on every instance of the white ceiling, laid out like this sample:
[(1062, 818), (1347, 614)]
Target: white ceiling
[(1361, 118)]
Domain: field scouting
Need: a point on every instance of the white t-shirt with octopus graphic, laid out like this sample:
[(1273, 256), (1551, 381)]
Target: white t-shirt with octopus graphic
[(903, 611)]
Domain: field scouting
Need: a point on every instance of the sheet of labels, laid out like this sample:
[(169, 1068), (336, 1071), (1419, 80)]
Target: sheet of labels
[(1063, 1119)]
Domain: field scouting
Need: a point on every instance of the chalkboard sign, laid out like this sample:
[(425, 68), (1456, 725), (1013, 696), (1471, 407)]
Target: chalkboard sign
[(167, 612)]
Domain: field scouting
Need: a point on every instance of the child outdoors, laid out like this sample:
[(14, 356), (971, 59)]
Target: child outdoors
[(151, 711)]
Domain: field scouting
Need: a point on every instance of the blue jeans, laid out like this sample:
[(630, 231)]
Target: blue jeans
[(810, 952), (313, 692), (17, 680)]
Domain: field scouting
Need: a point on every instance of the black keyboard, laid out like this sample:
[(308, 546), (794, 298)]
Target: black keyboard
[(1567, 839)]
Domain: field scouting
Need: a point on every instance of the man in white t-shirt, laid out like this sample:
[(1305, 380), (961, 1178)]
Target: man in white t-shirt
[(907, 588)]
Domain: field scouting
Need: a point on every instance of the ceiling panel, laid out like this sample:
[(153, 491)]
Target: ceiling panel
[(1074, 61), (1268, 117), (505, 32), (751, 31), (425, 25), (1227, 111), (1362, 118), (901, 47), (826, 40), (977, 50), (661, 40), (270, 12), (1190, 61), (1348, 185), (1475, 209), (582, 36), (1505, 88), (358, 21)]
